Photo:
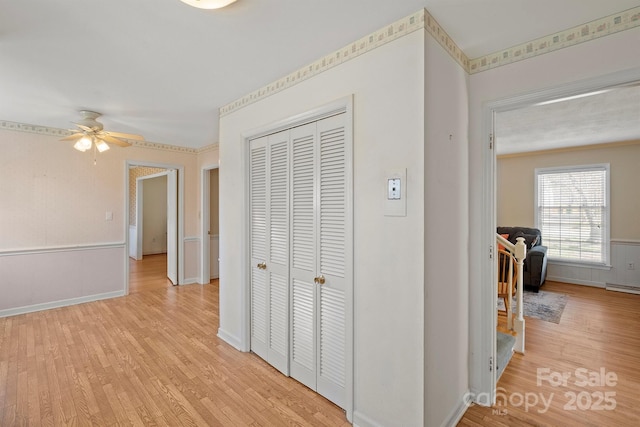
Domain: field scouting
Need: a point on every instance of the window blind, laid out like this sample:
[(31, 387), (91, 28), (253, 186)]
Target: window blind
[(572, 212)]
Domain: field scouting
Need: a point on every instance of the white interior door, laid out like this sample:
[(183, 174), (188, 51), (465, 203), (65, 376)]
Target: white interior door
[(320, 257), (258, 214), (270, 249), (303, 254), (278, 250), (172, 226), (333, 259)]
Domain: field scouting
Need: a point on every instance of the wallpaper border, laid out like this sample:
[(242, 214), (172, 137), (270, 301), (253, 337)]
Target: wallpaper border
[(592, 30), (61, 133)]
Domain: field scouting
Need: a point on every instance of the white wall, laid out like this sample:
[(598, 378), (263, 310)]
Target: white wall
[(446, 236), (587, 60), (388, 88)]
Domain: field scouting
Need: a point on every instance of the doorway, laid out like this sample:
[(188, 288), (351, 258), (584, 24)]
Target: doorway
[(210, 262), (485, 319), (155, 210)]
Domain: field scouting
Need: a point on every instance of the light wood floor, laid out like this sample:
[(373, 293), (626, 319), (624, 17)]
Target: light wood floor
[(598, 329), (150, 273), (150, 358)]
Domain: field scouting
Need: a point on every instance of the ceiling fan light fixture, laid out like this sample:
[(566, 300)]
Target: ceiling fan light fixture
[(208, 4), (83, 144), (102, 146), (78, 146)]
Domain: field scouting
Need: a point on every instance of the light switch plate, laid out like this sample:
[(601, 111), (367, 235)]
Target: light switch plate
[(394, 189), (395, 192)]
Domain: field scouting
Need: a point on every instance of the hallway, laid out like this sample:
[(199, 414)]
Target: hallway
[(149, 273)]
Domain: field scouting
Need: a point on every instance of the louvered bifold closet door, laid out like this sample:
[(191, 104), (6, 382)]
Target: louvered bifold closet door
[(303, 254), (333, 258), (319, 250), (270, 248), (278, 251), (258, 195)]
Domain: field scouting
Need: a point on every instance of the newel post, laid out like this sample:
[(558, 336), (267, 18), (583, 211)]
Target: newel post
[(520, 254)]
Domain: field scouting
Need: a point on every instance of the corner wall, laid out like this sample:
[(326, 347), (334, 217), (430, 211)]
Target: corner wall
[(387, 84), (445, 236)]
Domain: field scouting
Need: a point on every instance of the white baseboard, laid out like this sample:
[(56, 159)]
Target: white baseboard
[(457, 414), (629, 289), (230, 339), (57, 304), (575, 281), (190, 281), (361, 420)]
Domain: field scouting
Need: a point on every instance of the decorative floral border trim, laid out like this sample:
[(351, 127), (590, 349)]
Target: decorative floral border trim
[(435, 29), (44, 130), (582, 33), (419, 20), (207, 148)]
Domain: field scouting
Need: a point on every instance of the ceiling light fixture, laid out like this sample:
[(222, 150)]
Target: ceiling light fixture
[(86, 142), (570, 98), (208, 4)]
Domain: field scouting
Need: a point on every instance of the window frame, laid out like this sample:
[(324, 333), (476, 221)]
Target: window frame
[(606, 246)]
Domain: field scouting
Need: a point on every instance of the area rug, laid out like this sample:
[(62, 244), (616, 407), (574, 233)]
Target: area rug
[(547, 306)]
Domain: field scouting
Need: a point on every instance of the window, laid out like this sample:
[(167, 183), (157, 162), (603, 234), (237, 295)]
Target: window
[(572, 212)]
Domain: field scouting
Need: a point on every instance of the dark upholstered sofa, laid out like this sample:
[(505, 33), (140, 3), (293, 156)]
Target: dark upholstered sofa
[(535, 265)]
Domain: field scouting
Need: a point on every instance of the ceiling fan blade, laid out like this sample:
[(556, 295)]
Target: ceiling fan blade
[(73, 137), (125, 135), (112, 140), (83, 127)]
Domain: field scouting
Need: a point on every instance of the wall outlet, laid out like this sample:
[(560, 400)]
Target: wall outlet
[(631, 266)]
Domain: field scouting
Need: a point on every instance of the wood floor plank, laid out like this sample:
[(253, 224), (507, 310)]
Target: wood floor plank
[(599, 329)]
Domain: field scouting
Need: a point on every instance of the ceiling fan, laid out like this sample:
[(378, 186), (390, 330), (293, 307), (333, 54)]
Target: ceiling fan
[(90, 133)]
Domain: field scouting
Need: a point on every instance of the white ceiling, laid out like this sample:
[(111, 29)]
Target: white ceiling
[(601, 117), (162, 69)]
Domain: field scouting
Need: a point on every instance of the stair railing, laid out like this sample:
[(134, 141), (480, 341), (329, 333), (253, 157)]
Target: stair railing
[(519, 252)]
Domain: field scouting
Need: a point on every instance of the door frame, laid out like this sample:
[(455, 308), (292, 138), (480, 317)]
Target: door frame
[(205, 222), (484, 322), (342, 105), (180, 220)]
